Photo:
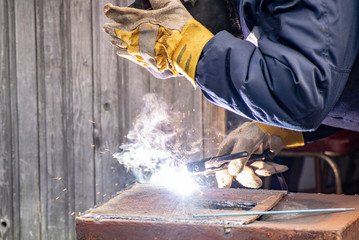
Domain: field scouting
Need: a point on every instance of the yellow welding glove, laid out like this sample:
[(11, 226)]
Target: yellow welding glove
[(254, 138), (166, 38), (290, 138)]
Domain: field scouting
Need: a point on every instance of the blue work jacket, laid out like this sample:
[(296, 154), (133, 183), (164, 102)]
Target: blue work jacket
[(293, 68)]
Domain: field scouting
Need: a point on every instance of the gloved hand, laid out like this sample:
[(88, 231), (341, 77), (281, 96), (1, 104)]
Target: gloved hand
[(165, 39), (254, 138)]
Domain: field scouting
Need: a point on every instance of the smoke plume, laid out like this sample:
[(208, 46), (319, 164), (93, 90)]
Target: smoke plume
[(156, 140)]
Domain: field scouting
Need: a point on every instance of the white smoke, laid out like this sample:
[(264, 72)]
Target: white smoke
[(153, 142)]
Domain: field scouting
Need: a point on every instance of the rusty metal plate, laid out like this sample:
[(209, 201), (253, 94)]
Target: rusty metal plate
[(145, 202), (150, 212)]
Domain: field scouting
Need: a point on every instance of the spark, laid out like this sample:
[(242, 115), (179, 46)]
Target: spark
[(57, 178), (177, 180), (57, 198), (91, 121), (73, 213)]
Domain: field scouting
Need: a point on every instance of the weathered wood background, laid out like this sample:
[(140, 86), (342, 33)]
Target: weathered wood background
[(67, 101)]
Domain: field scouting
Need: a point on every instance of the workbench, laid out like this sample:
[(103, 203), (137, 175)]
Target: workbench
[(150, 212)]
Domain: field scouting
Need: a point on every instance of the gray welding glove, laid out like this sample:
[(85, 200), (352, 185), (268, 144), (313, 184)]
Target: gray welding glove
[(164, 39), (145, 58), (249, 137)]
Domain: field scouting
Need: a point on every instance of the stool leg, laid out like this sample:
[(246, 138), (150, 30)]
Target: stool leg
[(330, 161), (318, 175), (325, 173), (267, 182)]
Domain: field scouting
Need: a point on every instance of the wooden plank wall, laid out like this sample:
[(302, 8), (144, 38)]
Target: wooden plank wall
[(67, 101)]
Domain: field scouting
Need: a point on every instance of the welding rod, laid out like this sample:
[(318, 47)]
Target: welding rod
[(324, 210)]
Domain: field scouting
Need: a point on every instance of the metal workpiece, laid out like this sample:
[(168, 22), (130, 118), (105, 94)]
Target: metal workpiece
[(149, 212)]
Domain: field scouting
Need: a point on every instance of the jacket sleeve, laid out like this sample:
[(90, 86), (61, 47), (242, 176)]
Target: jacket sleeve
[(297, 72)]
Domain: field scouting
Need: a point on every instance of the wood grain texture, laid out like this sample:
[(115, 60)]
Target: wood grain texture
[(27, 138), (56, 115), (15, 173), (41, 101), (109, 109), (6, 217), (81, 169)]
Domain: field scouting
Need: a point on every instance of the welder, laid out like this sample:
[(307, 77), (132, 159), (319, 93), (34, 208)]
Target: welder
[(292, 69)]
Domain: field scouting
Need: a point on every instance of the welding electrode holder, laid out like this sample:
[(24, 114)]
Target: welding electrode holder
[(217, 163)]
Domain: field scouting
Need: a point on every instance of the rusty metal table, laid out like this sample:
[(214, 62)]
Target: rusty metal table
[(150, 212)]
